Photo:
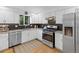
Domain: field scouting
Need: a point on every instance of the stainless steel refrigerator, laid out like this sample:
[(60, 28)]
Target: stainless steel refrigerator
[(71, 32)]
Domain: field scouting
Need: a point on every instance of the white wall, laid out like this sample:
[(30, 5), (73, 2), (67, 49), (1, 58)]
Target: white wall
[(9, 15)]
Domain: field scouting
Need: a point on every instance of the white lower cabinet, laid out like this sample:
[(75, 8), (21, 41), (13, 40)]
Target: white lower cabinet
[(33, 34), (58, 40), (3, 41), (30, 34), (39, 34), (25, 36), (14, 38)]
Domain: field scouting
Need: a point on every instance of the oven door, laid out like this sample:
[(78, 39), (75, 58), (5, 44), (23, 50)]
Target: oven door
[(47, 37)]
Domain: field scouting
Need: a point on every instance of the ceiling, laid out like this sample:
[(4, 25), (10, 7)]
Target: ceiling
[(40, 9)]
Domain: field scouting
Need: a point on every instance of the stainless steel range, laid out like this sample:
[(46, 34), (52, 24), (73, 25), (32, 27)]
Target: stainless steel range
[(48, 34), (49, 37), (49, 31)]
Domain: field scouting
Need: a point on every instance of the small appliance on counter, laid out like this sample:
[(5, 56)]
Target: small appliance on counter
[(4, 28)]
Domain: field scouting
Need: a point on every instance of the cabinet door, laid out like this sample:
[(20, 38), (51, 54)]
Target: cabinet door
[(16, 17), (1, 17), (39, 34), (31, 34), (59, 17), (3, 41), (12, 39), (9, 17), (25, 36), (59, 40), (18, 37), (35, 33)]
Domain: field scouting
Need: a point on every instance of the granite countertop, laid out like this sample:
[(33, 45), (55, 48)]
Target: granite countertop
[(19, 30), (3, 32)]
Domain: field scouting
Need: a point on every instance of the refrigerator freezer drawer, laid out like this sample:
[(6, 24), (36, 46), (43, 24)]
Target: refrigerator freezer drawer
[(68, 44)]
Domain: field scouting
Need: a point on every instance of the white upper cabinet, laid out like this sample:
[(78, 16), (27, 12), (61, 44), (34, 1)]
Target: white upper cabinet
[(16, 18), (8, 18), (8, 15), (37, 19), (71, 10), (59, 17), (1, 17)]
